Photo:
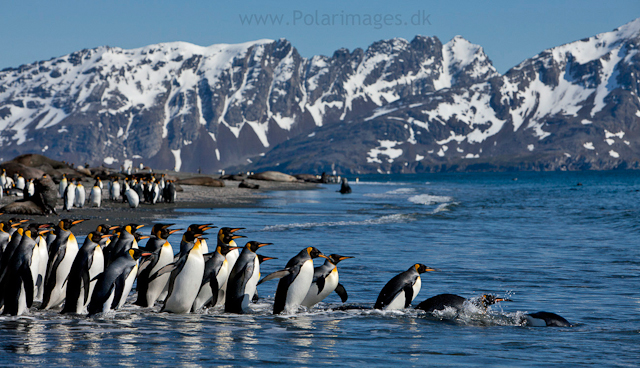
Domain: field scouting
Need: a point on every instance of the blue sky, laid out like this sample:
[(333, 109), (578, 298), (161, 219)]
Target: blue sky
[(509, 31)]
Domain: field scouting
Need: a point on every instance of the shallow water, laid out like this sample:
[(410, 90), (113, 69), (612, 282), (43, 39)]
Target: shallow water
[(541, 240)]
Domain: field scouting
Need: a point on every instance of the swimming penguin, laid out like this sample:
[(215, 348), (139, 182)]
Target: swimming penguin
[(80, 195), (114, 284), (216, 273), (161, 255), (243, 279), (227, 238), (545, 319), (63, 185), (88, 264), (69, 196), (95, 198), (19, 278), (442, 301), (295, 280), (132, 197), (400, 291), (62, 252), (325, 281), (126, 240), (185, 280)]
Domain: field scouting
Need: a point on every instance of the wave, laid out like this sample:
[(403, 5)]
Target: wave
[(391, 193), (428, 199), (388, 219)]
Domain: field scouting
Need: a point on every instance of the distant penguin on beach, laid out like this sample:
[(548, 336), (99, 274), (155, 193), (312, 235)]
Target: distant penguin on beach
[(344, 187)]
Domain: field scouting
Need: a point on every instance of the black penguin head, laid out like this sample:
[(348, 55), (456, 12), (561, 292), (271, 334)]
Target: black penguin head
[(165, 233), (137, 253), (191, 236), (262, 258), (66, 224), (315, 253), (254, 245), (105, 229), (335, 258), (225, 249), (138, 237), (94, 236), (200, 228), (131, 228), (158, 227), (422, 268), (487, 299)]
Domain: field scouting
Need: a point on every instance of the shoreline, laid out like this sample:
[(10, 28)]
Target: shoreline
[(192, 197)]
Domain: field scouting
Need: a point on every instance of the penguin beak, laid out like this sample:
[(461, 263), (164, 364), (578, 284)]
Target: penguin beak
[(344, 257), (106, 236), (167, 226), (114, 227), (174, 231), (78, 221), (44, 226), (503, 300), (237, 237), (429, 269), (23, 221), (263, 244), (42, 232), (207, 228), (236, 229), (268, 258), (145, 254), (139, 227), (206, 225), (144, 237)]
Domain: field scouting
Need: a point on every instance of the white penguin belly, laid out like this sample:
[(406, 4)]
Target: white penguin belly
[(62, 272), (186, 285), (231, 259), (399, 301), (42, 269), (299, 288), (250, 286), (156, 286), (97, 267), (128, 284), (330, 284)]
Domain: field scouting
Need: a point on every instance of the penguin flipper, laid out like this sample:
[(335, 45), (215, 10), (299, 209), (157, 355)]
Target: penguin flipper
[(85, 281), (320, 283), (342, 292), (119, 283), (408, 295), (168, 268), (275, 275), (214, 290), (27, 281)]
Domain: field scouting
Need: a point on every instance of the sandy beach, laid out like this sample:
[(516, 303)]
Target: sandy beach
[(192, 196)]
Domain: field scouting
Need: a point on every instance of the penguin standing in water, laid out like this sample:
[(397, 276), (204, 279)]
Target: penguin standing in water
[(295, 280), (62, 252), (442, 301), (545, 319), (186, 276), (80, 195), (19, 279), (161, 251), (216, 273), (88, 264), (325, 281), (114, 284), (126, 240), (243, 279), (227, 238), (400, 291)]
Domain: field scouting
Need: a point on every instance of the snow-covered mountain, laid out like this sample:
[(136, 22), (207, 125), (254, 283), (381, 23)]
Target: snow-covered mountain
[(397, 106), (182, 106), (572, 107)]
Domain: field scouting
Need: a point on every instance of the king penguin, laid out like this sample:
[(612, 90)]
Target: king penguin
[(132, 197), (295, 280), (80, 195), (63, 185), (243, 279), (442, 301), (69, 197), (88, 264), (186, 276), (227, 238), (545, 319), (62, 252), (126, 240), (325, 281), (216, 273), (400, 291), (95, 199), (161, 255), (114, 284)]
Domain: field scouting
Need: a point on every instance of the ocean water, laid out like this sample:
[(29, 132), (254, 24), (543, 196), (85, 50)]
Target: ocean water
[(542, 240)]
